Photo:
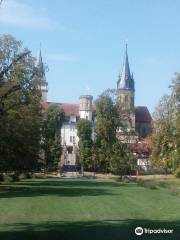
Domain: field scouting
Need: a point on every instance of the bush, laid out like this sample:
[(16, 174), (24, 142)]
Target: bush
[(177, 172), (8, 179), (147, 184), (174, 191), (162, 184), (22, 176), (140, 182), (126, 180), (151, 185), (26, 175), (15, 177)]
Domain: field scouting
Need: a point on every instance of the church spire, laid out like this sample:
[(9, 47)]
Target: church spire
[(125, 80), (42, 77), (41, 66)]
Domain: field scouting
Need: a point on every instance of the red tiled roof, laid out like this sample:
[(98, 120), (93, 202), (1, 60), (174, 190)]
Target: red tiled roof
[(141, 147), (142, 115), (70, 109)]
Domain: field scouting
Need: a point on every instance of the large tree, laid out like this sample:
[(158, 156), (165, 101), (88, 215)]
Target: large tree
[(20, 112), (51, 136), (107, 122), (84, 128), (165, 139)]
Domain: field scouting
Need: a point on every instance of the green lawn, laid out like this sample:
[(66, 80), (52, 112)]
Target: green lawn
[(85, 209)]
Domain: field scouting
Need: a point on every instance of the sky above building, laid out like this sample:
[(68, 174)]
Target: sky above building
[(83, 43)]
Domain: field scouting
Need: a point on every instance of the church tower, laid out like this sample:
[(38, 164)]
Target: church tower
[(125, 93), (42, 77), (125, 86)]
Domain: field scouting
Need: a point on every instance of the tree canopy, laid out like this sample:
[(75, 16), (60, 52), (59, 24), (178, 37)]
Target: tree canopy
[(84, 131), (51, 136), (165, 140), (20, 110)]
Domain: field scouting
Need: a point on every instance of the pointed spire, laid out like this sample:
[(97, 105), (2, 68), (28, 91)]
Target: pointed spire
[(41, 66), (125, 81), (126, 49)]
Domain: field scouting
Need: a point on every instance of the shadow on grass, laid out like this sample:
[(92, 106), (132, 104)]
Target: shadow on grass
[(68, 188), (70, 183), (97, 230), (14, 192)]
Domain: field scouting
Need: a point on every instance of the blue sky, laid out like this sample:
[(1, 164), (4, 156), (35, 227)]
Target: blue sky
[(83, 43)]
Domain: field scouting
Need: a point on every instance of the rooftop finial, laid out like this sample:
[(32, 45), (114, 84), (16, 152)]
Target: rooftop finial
[(40, 55), (126, 45)]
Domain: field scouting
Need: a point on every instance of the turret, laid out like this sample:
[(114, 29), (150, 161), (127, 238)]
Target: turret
[(85, 107)]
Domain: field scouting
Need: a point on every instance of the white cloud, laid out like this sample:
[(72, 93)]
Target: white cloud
[(19, 13), (62, 57)]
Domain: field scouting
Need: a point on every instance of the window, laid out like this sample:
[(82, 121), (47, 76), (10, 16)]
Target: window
[(72, 139)]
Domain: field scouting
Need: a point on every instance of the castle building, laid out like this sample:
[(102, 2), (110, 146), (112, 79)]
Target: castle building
[(136, 119)]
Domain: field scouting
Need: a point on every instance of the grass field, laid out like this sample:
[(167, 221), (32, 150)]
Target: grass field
[(86, 209)]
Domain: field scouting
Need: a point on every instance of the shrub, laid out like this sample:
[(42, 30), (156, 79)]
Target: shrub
[(8, 179), (26, 175), (151, 185), (174, 191), (140, 182), (15, 177), (162, 184), (147, 184), (177, 172), (22, 176)]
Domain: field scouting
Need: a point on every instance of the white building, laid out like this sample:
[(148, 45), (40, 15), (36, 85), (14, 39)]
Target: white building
[(69, 137)]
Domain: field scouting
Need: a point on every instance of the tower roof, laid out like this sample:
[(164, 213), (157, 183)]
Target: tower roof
[(126, 80), (41, 64), (41, 69)]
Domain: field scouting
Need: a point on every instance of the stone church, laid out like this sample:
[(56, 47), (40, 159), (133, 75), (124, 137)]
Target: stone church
[(137, 119)]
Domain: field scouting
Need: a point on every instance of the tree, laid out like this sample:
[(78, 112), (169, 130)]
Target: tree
[(110, 153), (14, 62), (165, 140), (20, 114), (175, 87), (107, 122), (53, 119), (123, 160), (84, 128)]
